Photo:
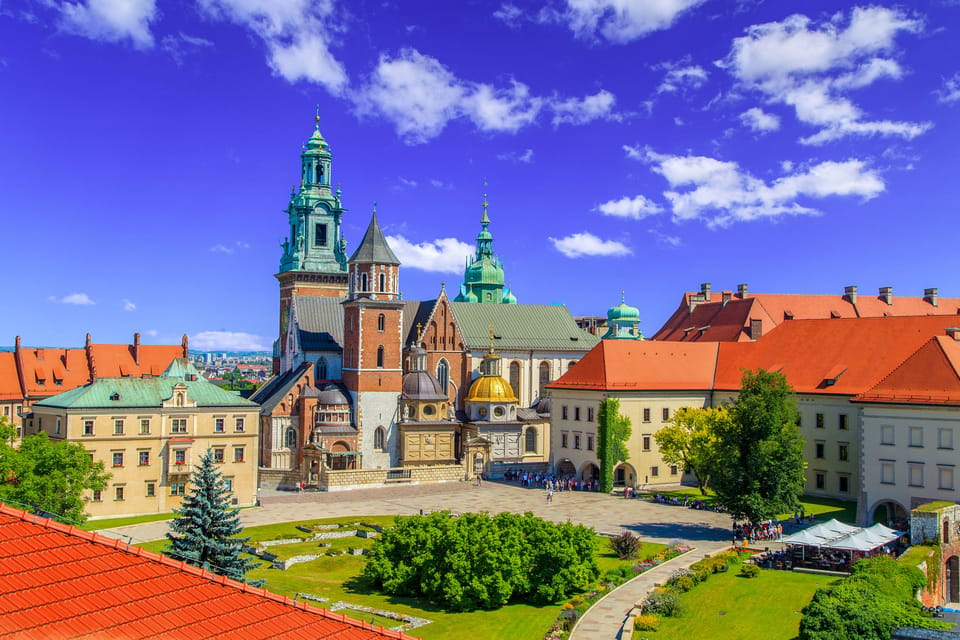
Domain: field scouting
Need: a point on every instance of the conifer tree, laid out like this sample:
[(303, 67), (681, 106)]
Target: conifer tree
[(204, 532)]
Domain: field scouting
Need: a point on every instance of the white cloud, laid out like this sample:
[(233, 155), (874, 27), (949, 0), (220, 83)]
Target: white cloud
[(153, 333), (585, 243), (526, 157), (623, 20), (128, 305), (678, 79), (666, 239), (228, 341), (297, 35), (179, 46), (111, 20), (950, 92), (73, 298), (406, 182), (440, 184), (760, 121), (720, 192), (509, 14), (581, 111), (443, 255), (811, 67), (222, 248), (637, 208)]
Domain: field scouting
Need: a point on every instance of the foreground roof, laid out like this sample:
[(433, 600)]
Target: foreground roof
[(931, 375), (57, 581)]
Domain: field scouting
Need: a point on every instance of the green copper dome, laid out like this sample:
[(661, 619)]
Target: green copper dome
[(623, 322), (483, 275), (623, 311)]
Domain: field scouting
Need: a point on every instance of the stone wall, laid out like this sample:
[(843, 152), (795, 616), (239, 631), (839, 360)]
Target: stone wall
[(341, 480), (941, 526), (279, 479)]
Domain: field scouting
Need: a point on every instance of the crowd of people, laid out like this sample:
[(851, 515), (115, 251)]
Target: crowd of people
[(551, 482), (686, 501), (750, 533)]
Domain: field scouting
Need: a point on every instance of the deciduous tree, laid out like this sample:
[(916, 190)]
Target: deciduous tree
[(690, 441)]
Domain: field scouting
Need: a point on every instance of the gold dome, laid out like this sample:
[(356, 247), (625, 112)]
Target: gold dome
[(491, 389)]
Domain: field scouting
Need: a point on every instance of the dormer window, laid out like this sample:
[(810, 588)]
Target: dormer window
[(114, 396)]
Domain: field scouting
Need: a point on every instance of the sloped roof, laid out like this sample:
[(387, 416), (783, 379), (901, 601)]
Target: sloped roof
[(49, 371), (520, 326), (276, 388), (320, 321), (116, 360), (57, 582), (9, 381), (931, 375), (374, 247), (147, 392), (416, 312)]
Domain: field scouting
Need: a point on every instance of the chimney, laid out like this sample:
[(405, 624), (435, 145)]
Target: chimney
[(930, 295), (136, 348), (850, 292), (756, 329), (705, 291), (17, 343), (954, 332), (87, 343), (742, 290), (186, 348), (726, 296), (886, 294)]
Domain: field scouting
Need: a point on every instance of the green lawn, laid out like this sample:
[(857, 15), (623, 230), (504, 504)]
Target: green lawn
[(113, 523), (728, 607), (822, 508), (334, 578)]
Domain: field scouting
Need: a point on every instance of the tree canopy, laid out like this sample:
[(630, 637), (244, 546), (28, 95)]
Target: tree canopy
[(478, 561), (613, 431), (690, 441), (204, 532), (48, 475), (759, 452)]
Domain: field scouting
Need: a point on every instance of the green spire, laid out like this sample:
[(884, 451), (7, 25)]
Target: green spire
[(483, 276), (623, 322)]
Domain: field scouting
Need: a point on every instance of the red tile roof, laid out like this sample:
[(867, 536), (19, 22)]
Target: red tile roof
[(57, 582), (9, 380), (117, 360), (931, 375)]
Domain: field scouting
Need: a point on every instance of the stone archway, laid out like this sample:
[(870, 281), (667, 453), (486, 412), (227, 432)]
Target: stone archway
[(890, 513), (589, 471), (566, 468), (952, 566), (624, 475)]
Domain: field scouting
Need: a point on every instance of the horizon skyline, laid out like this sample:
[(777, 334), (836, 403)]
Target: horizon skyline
[(151, 148)]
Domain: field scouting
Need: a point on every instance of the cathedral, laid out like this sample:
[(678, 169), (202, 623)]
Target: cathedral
[(369, 387)]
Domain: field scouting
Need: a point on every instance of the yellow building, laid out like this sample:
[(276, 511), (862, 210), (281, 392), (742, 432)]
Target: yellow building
[(150, 431)]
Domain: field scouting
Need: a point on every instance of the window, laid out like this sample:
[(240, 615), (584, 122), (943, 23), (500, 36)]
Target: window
[(443, 374), (218, 455), (118, 458), (545, 372), (843, 452), (819, 421), (820, 480), (180, 456), (98, 496), (888, 472), (674, 470), (322, 369), (515, 377), (576, 441), (229, 483), (178, 425), (589, 414), (563, 412), (563, 440), (88, 427), (320, 234), (382, 281), (218, 425), (143, 458), (379, 439), (819, 450), (916, 436), (916, 474), (945, 477), (290, 438), (666, 414), (151, 489), (944, 438), (180, 399), (576, 413), (589, 443), (238, 454), (380, 356), (118, 427), (530, 445), (144, 426), (654, 471), (118, 493), (238, 425), (646, 415), (58, 426), (178, 489), (646, 442), (843, 484), (886, 434), (842, 421), (381, 322)]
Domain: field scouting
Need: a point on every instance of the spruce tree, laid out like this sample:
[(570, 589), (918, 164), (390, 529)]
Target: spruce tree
[(204, 532)]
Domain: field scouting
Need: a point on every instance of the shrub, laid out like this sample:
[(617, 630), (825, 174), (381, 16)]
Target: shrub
[(663, 602), (626, 545), (646, 623), (684, 583), (701, 571), (749, 571)]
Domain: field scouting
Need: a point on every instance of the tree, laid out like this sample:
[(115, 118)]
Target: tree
[(48, 475), (612, 434), (690, 441), (204, 532), (759, 466)]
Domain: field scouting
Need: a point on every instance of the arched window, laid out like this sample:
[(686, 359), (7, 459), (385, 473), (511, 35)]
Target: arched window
[(363, 282), (179, 399), (515, 377), (290, 438), (381, 322), (380, 356), (531, 443), (322, 369), (544, 376), (379, 436), (443, 374), (382, 282), (570, 364)]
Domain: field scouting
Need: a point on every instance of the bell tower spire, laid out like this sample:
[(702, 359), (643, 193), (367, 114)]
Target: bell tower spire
[(483, 276)]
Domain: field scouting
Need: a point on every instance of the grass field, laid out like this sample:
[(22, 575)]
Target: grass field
[(822, 508), (728, 607), (113, 523), (335, 578)]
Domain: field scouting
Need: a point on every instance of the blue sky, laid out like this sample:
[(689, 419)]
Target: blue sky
[(149, 147)]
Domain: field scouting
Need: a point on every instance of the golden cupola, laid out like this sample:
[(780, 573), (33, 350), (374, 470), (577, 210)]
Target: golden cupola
[(490, 396)]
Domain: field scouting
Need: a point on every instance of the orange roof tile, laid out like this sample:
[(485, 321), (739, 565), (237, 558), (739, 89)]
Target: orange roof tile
[(931, 375), (47, 372), (9, 380), (117, 360), (57, 582)]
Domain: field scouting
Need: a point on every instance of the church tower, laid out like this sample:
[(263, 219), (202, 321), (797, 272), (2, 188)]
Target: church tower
[(314, 259), (483, 276), (372, 345)]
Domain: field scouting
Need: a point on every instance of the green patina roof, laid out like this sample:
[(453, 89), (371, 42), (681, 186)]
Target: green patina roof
[(374, 247), (520, 326), (147, 392)]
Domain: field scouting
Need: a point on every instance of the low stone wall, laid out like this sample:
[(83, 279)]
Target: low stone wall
[(277, 543), (344, 479), (279, 479), (283, 565), (409, 622)]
